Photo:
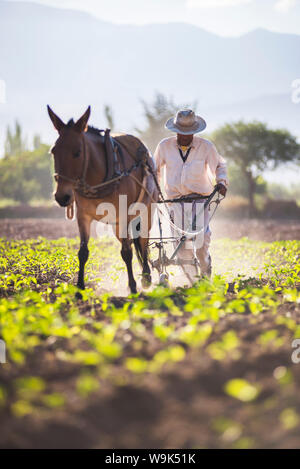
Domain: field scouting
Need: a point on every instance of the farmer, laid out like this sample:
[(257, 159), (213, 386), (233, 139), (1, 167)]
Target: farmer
[(190, 163)]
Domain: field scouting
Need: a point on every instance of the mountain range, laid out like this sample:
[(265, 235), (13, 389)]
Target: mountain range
[(70, 59)]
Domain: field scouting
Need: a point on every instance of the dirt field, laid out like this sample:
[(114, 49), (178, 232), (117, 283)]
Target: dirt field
[(184, 405), (269, 230)]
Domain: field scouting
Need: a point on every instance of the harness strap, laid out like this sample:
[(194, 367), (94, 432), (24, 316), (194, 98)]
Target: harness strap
[(112, 163), (116, 178), (84, 168), (85, 159), (121, 154)]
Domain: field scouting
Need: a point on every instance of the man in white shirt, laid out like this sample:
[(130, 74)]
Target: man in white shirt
[(190, 164)]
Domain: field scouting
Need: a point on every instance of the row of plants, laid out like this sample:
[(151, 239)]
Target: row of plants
[(104, 338)]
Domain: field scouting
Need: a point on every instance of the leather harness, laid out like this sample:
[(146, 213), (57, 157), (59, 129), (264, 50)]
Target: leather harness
[(114, 173)]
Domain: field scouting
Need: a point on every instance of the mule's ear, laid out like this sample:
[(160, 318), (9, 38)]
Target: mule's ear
[(81, 124), (57, 122)]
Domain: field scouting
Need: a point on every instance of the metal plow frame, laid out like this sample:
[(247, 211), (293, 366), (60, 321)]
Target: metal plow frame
[(163, 261)]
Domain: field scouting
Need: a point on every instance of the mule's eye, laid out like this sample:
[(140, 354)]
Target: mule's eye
[(76, 154)]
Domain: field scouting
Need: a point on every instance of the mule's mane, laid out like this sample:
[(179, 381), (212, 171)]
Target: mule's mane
[(70, 124), (90, 129), (94, 130)]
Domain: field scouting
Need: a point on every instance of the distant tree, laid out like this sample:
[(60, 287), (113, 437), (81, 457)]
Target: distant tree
[(156, 115), (238, 182), (36, 141), (27, 175), (14, 141), (282, 191), (253, 148), (108, 112)]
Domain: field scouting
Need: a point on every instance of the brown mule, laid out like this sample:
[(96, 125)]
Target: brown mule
[(82, 163)]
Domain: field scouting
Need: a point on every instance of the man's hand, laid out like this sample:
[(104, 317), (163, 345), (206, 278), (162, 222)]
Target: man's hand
[(221, 188)]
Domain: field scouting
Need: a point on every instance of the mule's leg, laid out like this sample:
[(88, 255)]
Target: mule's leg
[(84, 225), (126, 253), (144, 243), (142, 251), (146, 271)]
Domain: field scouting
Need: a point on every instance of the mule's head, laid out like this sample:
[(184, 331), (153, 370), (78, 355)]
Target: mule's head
[(68, 152)]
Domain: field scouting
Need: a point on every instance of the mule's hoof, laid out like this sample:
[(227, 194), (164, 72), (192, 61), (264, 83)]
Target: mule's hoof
[(78, 295), (146, 280)]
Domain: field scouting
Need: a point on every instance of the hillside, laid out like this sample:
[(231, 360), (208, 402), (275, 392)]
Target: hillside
[(70, 59)]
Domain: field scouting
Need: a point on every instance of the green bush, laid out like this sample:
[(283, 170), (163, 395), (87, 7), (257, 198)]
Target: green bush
[(27, 175)]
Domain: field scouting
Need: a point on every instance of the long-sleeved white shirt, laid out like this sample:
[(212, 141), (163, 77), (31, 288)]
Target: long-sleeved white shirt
[(196, 174)]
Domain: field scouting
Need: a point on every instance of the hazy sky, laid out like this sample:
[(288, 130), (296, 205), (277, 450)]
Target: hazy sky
[(225, 17)]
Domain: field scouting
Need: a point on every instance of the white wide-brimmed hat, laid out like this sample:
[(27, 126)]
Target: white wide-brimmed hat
[(186, 123)]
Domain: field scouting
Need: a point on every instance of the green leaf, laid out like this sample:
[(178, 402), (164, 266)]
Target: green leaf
[(136, 365), (242, 390), (86, 384), (53, 400)]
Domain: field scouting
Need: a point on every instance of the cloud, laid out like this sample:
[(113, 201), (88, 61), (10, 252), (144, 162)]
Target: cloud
[(215, 3), (285, 5)]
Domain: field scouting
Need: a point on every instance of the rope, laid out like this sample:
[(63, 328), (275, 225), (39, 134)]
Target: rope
[(184, 233), (70, 211), (175, 227)]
